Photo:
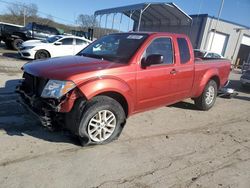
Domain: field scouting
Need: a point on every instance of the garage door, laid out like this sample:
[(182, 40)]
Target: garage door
[(245, 40), (217, 43)]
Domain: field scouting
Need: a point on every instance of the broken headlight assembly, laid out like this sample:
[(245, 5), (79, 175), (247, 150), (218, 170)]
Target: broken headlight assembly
[(56, 88)]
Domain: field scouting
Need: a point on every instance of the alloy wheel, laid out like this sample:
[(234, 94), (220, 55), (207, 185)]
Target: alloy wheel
[(210, 94), (101, 126)]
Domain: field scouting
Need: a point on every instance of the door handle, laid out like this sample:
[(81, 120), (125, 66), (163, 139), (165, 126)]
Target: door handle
[(173, 71)]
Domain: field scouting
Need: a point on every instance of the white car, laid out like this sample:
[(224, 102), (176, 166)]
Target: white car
[(55, 46), (206, 54)]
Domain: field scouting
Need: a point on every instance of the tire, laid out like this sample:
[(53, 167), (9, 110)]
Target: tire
[(94, 128), (207, 99), (16, 43), (42, 54), (8, 44)]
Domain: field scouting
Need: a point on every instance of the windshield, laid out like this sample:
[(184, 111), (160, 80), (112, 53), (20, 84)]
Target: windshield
[(115, 47), (52, 39)]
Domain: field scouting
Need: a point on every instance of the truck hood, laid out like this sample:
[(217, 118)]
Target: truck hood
[(67, 68)]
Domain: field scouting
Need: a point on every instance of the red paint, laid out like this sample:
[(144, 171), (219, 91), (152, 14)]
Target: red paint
[(143, 88)]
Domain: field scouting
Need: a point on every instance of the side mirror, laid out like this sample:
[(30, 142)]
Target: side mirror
[(153, 59), (58, 43)]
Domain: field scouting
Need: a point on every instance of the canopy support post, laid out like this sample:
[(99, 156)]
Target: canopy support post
[(106, 23), (120, 22), (100, 25), (141, 12), (130, 16), (113, 21)]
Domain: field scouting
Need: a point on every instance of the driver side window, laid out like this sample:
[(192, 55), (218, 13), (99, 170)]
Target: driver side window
[(161, 46)]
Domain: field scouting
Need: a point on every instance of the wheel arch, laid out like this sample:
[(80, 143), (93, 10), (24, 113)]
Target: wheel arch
[(212, 74), (216, 79), (116, 89), (118, 97)]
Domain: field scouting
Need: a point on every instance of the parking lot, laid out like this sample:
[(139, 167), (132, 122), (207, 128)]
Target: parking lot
[(174, 146)]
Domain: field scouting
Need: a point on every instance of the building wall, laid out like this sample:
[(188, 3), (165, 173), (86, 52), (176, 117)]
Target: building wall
[(235, 33), (201, 29)]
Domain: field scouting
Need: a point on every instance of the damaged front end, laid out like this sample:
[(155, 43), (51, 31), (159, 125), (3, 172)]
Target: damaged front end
[(47, 99)]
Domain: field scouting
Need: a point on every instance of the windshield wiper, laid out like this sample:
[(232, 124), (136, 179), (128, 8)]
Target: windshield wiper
[(91, 55)]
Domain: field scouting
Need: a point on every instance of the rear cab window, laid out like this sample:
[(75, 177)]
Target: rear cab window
[(183, 50)]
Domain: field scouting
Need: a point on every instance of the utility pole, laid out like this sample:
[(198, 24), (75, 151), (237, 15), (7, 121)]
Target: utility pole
[(218, 19), (24, 15)]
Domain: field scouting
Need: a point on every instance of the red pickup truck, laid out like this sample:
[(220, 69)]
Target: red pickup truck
[(91, 94)]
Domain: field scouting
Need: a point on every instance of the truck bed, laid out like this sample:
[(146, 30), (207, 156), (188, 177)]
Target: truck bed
[(206, 68)]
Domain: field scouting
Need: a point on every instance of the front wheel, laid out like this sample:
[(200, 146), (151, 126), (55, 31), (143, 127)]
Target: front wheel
[(102, 121), (207, 99), (42, 54)]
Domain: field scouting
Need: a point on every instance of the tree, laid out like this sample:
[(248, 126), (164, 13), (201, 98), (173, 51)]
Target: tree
[(86, 21), (21, 13), (21, 9)]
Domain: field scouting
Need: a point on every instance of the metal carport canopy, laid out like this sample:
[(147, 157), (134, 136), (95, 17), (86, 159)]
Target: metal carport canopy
[(151, 13)]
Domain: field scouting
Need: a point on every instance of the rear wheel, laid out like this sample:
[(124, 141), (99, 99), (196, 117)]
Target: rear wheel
[(42, 54), (102, 121), (17, 43), (207, 99)]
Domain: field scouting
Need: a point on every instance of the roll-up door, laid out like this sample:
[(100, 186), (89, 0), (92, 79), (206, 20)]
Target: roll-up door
[(217, 42)]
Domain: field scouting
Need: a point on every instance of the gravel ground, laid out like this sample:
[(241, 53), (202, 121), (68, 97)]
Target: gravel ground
[(10, 61), (176, 146)]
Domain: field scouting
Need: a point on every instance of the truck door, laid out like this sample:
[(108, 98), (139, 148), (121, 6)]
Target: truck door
[(154, 83)]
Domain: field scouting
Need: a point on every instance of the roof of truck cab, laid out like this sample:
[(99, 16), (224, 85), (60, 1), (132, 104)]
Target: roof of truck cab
[(5, 23), (152, 33)]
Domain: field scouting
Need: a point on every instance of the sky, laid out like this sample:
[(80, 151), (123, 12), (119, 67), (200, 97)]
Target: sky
[(66, 11)]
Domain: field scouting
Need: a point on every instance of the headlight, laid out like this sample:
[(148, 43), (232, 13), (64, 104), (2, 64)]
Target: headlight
[(56, 88)]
